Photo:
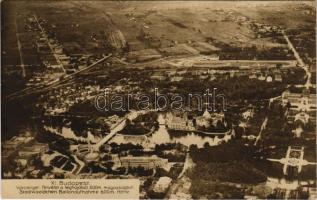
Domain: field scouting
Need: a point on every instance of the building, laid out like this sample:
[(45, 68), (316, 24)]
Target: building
[(42, 46), (12, 146), (64, 59), (158, 76), (253, 76), (261, 77), (24, 160), (269, 79), (85, 152), (202, 77), (50, 61), (180, 122), (278, 77), (15, 142), (301, 102), (297, 132), (302, 118), (162, 184), (248, 114), (204, 120), (176, 78), (28, 153), (39, 147), (251, 197), (207, 119), (143, 161)]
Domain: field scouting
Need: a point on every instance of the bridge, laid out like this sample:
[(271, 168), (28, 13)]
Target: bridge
[(118, 127)]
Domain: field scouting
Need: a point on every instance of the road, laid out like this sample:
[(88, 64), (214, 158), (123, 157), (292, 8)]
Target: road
[(181, 179), (20, 49), (49, 44), (299, 60), (308, 73), (296, 55), (80, 163), (271, 100), (187, 165), (263, 126)]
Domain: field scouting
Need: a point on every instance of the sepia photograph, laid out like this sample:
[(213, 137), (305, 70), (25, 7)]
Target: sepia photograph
[(158, 99)]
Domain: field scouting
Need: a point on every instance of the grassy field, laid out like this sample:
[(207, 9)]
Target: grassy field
[(76, 22)]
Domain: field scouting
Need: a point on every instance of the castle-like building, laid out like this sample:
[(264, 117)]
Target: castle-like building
[(207, 119), (181, 121)]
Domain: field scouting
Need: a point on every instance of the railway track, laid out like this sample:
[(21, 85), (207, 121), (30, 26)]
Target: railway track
[(52, 84)]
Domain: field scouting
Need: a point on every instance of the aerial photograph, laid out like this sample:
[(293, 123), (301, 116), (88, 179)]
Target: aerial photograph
[(194, 99)]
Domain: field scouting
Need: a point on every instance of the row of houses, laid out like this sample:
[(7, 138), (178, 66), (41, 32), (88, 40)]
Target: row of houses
[(51, 52), (59, 101)]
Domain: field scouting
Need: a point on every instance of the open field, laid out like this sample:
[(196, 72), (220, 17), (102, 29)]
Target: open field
[(163, 26), (150, 33)]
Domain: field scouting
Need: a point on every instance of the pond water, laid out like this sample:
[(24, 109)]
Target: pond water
[(160, 136)]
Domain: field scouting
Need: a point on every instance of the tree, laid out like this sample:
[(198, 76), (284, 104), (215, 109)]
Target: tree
[(193, 148), (239, 131)]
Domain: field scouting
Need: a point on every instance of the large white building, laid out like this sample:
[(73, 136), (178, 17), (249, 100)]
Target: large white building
[(143, 161), (302, 102), (180, 122)]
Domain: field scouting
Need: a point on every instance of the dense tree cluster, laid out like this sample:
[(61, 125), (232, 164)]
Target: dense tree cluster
[(223, 164), (206, 189), (117, 148)]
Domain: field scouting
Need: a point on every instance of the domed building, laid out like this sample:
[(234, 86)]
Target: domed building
[(204, 120), (91, 156), (207, 119), (301, 117), (87, 153)]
